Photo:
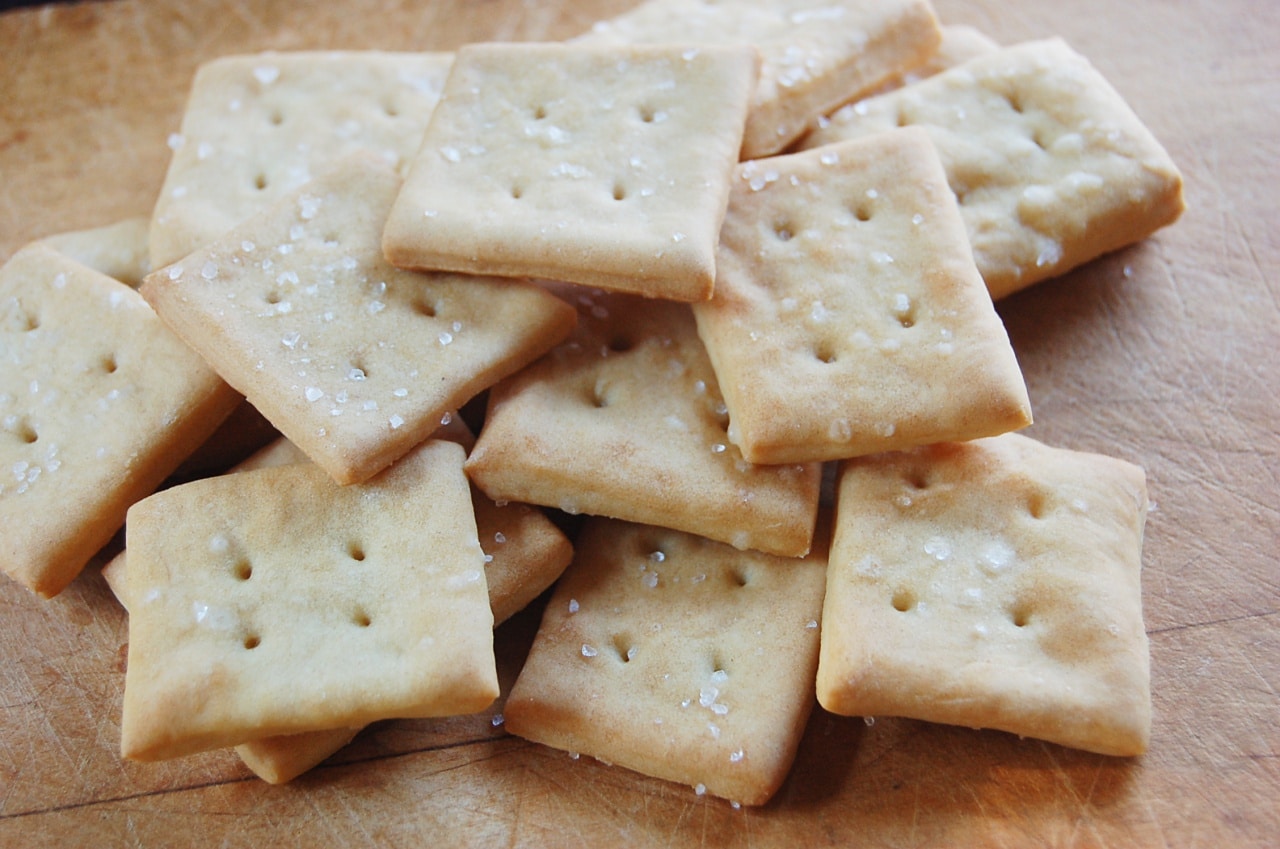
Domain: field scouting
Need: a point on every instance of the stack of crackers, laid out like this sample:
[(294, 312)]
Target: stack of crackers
[(675, 272)]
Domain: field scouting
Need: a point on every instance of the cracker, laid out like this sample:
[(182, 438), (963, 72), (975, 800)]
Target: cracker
[(959, 44), (1052, 168), (848, 316), (602, 166), (677, 657), (817, 54), (992, 584), (524, 554), (354, 360), (323, 607), (99, 402), (119, 250), (625, 419), (257, 127)]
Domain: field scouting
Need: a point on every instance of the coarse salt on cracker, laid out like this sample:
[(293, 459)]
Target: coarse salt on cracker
[(321, 607), (524, 554), (817, 54), (99, 402), (1051, 167), (677, 657), (991, 584), (625, 419), (848, 316), (258, 126), (600, 166), (354, 360)]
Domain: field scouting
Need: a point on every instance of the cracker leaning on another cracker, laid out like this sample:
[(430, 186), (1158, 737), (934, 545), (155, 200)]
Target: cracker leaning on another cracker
[(354, 360), (99, 402), (848, 316), (1052, 168), (625, 419), (991, 584), (601, 166)]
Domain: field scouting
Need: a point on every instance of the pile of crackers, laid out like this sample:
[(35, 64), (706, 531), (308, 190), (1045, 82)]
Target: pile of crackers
[(594, 321)]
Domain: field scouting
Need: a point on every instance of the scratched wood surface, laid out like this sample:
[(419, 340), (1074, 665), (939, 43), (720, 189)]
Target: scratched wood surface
[(1164, 354)]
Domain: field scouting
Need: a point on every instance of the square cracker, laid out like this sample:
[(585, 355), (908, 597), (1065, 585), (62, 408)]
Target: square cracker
[(625, 420), (991, 584), (677, 657), (848, 316), (1052, 168), (524, 554), (817, 54), (354, 360), (99, 402), (602, 166), (256, 127), (322, 607)]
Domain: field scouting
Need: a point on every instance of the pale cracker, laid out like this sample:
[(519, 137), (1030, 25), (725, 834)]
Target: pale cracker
[(1052, 168), (354, 360), (99, 402), (677, 657), (256, 127), (817, 54), (119, 250), (625, 419), (959, 44), (322, 607), (524, 552), (991, 584), (602, 166), (848, 316)]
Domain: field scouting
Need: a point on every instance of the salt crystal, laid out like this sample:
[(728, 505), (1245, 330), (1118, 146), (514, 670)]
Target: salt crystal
[(588, 651), (209, 271), (396, 422), (314, 393), (573, 605), (266, 74)]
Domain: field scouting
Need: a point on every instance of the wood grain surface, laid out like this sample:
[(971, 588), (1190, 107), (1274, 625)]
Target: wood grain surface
[(1164, 354)]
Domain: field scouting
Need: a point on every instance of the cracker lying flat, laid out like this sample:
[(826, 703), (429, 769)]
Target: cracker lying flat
[(99, 402), (677, 657), (257, 127), (603, 166), (817, 54), (322, 607), (848, 316), (118, 250), (352, 359), (1051, 166), (625, 420), (993, 584)]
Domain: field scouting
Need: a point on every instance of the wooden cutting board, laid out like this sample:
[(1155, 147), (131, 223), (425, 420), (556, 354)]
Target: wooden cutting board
[(1164, 354)]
